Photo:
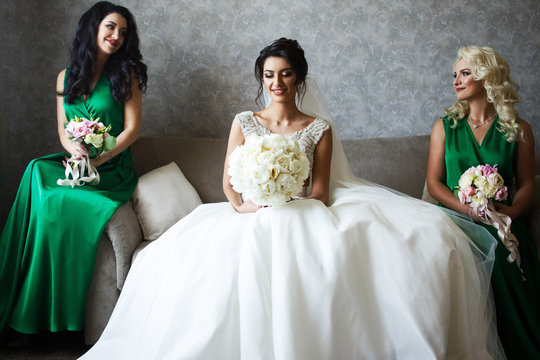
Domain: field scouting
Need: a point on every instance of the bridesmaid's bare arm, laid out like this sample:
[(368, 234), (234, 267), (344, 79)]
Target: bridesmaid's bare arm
[(74, 148), (436, 172), (132, 124), (524, 172)]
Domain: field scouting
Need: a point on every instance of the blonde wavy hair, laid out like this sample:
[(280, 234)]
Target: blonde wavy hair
[(489, 67)]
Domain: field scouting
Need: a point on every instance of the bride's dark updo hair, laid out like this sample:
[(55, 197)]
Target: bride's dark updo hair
[(119, 66), (289, 50)]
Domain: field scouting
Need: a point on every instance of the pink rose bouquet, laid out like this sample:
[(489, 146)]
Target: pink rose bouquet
[(95, 137), (478, 187)]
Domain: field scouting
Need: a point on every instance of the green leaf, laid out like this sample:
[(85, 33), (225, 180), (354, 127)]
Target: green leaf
[(109, 143)]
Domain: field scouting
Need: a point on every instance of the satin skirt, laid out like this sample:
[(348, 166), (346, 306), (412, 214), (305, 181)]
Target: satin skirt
[(375, 275)]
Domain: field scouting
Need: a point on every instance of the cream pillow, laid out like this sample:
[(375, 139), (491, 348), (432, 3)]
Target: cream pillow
[(427, 197), (162, 197)]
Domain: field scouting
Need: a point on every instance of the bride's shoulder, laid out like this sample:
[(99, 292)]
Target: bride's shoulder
[(245, 118), (321, 124), (248, 123), (245, 115)]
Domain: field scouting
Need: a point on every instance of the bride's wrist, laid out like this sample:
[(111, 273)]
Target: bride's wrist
[(235, 206)]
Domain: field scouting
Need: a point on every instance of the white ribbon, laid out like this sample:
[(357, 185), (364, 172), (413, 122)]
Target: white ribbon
[(502, 223), (76, 169)]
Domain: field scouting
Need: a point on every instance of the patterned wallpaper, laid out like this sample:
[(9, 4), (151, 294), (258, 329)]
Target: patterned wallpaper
[(385, 66)]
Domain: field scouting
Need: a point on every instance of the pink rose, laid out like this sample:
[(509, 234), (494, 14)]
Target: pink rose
[(488, 170), (466, 194), (91, 125), (470, 171), (501, 194), (481, 213), (80, 132)]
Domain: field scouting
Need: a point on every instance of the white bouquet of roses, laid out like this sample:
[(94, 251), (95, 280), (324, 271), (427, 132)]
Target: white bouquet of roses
[(478, 187), (95, 137), (268, 170)]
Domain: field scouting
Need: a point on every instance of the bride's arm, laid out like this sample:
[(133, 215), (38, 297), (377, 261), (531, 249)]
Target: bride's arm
[(321, 168), (236, 138)]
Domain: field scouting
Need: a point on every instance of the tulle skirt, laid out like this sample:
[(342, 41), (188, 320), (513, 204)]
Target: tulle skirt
[(375, 275)]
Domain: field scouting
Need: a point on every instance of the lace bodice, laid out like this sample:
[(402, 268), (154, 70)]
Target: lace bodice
[(308, 137)]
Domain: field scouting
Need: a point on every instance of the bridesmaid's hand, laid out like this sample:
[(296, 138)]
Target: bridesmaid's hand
[(248, 206), (506, 210), (98, 161), (77, 150)]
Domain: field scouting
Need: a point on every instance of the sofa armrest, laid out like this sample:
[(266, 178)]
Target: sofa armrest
[(125, 234)]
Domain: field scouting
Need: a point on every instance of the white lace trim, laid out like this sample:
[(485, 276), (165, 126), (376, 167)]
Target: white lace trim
[(308, 137)]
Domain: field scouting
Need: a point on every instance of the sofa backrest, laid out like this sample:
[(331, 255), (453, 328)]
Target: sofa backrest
[(398, 163), (200, 159)]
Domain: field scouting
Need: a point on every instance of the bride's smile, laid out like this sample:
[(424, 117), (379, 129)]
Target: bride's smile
[(279, 79)]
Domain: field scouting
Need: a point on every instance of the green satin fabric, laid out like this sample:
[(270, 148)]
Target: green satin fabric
[(517, 302), (48, 245)]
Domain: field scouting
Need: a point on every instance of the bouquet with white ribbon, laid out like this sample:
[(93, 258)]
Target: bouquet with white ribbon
[(94, 136), (268, 170), (478, 187)]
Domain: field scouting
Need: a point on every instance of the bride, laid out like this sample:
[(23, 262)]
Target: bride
[(351, 271)]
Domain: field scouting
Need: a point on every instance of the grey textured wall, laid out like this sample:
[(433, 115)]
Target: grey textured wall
[(384, 65)]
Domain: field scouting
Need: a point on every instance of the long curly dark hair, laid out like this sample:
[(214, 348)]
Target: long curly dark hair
[(289, 50), (119, 66)]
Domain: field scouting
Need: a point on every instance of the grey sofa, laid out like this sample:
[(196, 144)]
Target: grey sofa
[(201, 161)]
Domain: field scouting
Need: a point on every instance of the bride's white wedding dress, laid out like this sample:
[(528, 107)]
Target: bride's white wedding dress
[(375, 275)]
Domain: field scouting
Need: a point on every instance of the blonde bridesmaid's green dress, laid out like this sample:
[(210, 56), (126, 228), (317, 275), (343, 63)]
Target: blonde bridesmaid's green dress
[(48, 245), (517, 302)]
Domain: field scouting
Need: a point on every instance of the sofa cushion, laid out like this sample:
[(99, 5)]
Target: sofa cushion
[(162, 197), (124, 232), (139, 248), (426, 196)]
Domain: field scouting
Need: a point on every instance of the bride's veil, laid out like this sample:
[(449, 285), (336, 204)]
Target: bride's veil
[(480, 250)]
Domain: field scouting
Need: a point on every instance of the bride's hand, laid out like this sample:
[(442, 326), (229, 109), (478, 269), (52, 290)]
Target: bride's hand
[(248, 206)]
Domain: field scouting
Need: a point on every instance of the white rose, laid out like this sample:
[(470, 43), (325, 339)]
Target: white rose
[(261, 174), (481, 182), (478, 171), (269, 169), (479, 201), (95, 139), (466, 180), (489, 190), (495, 180)]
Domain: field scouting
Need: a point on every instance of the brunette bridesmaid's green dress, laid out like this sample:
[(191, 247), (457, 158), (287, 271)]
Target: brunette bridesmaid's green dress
[(48, 245), (517, 302)]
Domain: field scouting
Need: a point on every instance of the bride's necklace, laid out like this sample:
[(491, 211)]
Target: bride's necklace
[(476, 126)]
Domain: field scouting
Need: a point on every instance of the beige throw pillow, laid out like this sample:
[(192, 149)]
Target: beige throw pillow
[(427, 197), (162, 197)]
